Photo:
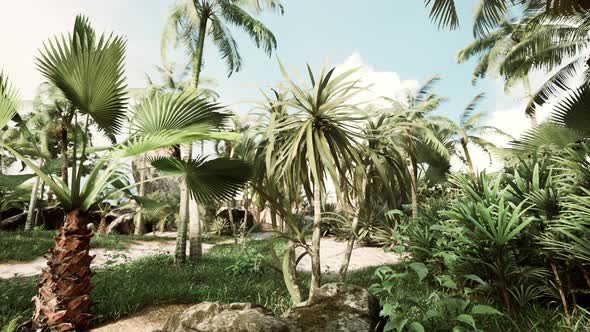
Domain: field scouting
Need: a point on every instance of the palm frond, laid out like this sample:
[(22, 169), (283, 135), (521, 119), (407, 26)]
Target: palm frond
[(262, 36), (226, 45), (208, 180), (487, 15), (90, 75), (444, 13)]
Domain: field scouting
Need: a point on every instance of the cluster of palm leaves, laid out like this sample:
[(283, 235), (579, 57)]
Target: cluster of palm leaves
[(88, 72), (518, 237)]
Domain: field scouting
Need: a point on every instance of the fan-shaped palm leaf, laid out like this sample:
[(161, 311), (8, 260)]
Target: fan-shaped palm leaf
[(89, 74)]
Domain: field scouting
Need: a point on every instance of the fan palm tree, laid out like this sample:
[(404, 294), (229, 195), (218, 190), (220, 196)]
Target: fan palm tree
[(318, 140), (89, 73), (190, 22), (470, 131), (408, 126)]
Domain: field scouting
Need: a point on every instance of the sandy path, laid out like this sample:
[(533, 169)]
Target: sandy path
[(147, 320), (135, 250), (332, 252)]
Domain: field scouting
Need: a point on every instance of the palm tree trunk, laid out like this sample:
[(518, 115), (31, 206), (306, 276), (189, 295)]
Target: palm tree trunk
[(39, 211), (349, 246), (64, 152), (63, 301), (139, 210), (273, 218), (529, 96), (316, 272), (102, 224), (32, 205), (186, 203), (244, 225), (183, 215), (468, 160), (353, 228), (413, 187), (195, 244), (232, 223)]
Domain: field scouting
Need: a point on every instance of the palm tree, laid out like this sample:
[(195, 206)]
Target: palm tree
[(470, 131), (190, 22), (408, 125), (89, 73), (319, 140), (489, 13), (382, 175)]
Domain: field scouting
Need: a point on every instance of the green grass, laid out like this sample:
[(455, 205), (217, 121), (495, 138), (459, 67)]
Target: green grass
[(20, 246), (125, 289)]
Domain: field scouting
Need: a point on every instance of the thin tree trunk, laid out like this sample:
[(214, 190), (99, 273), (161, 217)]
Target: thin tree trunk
[(183, 215), (469, 161), (245, 222), (350, 245), (64, 152), (316, 271), (139, 224), (414, 187), (230, 216), (273, 218), (561, 292), (39, 211), (195, 244), (32, 205), (63, 302), (529, 96)]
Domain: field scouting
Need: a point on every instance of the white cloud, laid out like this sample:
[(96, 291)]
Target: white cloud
[(380, 83)]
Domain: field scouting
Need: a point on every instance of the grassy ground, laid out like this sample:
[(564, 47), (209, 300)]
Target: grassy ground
[(27, 245), (228, 273)]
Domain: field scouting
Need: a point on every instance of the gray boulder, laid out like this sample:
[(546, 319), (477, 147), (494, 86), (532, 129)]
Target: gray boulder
[(337, 307), (222, 317)]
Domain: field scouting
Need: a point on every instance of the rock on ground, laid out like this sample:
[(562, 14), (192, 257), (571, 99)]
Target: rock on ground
[(221, 317), (337, 307)]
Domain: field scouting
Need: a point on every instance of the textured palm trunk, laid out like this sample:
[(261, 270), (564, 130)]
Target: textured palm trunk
[(63, 302), (195, 243), (32, 205), (102, 225), (139, 221), (469, 161), (290, 273), (413, 187), (316, 272)]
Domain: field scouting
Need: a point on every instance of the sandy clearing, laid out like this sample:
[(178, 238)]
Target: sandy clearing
[(134, 251)]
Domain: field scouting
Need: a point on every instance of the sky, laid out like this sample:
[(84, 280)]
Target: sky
[(393, 42)]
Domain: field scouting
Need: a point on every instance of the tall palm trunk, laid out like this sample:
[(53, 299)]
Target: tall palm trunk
[(413, 187), (32, 205), (190, 204), (195, 243), (468, 160), (316, 272), (139, 224), (63, 301), (183, 215)]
